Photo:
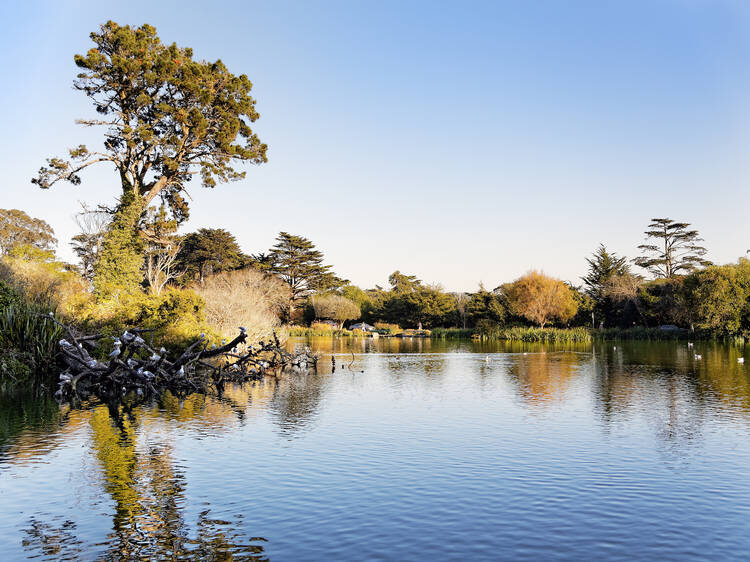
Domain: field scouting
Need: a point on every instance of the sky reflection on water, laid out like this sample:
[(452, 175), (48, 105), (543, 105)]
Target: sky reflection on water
[(411, 449)]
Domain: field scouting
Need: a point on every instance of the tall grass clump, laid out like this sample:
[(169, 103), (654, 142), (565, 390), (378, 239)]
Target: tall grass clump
[(28, 338), (548, 335)]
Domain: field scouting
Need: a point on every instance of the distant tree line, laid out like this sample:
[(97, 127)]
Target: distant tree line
[(685, 290)]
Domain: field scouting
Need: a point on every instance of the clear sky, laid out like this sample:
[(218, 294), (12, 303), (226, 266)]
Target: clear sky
[(458, 141)]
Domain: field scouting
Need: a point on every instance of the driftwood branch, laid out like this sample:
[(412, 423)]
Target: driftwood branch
[(134, 368)]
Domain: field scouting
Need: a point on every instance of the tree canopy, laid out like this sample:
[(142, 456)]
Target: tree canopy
[(605, 268), (209, 251), (19, 229), (540, 298), (300, 265), (676, 249), (166, 117)]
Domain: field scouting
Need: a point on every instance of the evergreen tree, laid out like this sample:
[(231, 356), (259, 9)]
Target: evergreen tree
[(677, 249), (167, 118), (603, 268), (209, 251), (296, 261)]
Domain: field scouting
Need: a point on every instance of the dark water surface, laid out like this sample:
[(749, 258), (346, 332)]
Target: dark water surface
[(410, 450)]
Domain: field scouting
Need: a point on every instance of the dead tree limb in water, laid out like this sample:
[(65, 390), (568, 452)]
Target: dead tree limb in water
[(134, 366)]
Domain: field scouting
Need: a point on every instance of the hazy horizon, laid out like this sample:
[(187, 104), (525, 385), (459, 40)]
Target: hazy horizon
[(459, 143)]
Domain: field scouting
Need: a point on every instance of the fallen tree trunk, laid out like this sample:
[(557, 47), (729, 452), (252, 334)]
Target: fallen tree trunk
[(134, 367)]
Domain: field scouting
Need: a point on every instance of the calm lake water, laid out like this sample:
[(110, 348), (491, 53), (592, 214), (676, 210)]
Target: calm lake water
[(410, 450)]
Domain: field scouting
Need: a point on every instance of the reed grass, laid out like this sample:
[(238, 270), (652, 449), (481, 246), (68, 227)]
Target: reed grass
[(27, 337)]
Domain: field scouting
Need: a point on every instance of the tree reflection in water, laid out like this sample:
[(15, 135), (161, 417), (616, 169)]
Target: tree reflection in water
[(148, 492)]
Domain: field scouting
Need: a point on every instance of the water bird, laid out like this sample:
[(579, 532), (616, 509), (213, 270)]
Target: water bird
[(614, 348), (690, 344), (740, 360), (698, 357), (115, 352), (486, 358)]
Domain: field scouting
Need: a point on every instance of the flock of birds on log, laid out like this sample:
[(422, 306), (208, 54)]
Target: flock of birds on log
[(134, 366)]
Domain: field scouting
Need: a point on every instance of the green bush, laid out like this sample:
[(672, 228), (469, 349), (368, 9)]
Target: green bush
[(175, 316)]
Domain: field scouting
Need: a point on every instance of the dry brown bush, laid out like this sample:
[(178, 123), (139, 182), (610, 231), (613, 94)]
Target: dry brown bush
[(245, 297)]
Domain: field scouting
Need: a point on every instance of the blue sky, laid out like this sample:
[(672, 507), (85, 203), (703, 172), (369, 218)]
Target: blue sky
[(458, 141)]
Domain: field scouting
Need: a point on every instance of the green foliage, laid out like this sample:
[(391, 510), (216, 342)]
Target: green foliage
[(388, 329), (19, 229), (604, 269), (719, 297), (487, 329), (422, 306), (364, 299), (166, 118), (642, 333), (176, 316), (546, 334), (318, 329), (118, 269), (659, 301), (28, 338), (676, 250), (295, 261), (451, 333), (486, 306), (8, 295), (209, 251)]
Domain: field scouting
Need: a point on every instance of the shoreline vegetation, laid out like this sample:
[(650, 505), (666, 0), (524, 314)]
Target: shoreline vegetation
[(137, 268), (520, 333)]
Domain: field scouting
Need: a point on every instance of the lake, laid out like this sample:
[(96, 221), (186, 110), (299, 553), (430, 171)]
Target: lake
[(408, 450)]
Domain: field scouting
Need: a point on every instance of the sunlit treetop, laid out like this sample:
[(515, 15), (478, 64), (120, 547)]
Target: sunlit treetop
[(166, 117)]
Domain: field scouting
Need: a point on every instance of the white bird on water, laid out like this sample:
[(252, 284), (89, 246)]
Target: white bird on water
[(486, 358)]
